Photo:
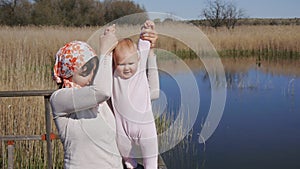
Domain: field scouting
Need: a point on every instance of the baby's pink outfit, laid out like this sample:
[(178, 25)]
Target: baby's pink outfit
[(134, 118)]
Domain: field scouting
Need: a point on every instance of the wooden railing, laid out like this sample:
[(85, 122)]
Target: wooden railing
[(47, 137)]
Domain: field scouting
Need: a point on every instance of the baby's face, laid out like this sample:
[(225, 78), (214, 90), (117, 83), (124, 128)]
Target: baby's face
[(126, 63)]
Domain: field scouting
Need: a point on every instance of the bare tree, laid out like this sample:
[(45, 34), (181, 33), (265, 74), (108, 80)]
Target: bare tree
[(215, 13), (233, 14), (219, 13)]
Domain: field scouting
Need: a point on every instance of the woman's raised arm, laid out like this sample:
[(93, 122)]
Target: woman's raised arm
[(69, 100)]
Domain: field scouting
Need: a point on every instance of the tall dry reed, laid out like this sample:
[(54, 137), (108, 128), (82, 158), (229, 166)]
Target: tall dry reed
[(257, 39), (27, 56)]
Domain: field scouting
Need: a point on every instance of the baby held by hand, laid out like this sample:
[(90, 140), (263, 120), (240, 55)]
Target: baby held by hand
[(132, 101)]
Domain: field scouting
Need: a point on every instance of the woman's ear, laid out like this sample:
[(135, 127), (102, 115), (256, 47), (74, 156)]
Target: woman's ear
[(83, 68)]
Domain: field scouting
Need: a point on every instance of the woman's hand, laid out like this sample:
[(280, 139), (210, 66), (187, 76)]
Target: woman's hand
[(149, 33), (110, 29), (108, 41)]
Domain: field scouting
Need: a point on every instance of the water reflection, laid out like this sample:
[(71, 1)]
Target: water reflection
[(260, 127)]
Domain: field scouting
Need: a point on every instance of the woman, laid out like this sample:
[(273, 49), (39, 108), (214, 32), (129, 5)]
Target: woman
[(84, 121)]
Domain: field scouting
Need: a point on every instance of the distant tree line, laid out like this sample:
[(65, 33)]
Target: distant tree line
[(65, 12), (254, 21), (269, 21)]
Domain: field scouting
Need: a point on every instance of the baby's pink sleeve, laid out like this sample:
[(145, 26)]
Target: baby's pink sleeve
[(144, 44), (144, 48)]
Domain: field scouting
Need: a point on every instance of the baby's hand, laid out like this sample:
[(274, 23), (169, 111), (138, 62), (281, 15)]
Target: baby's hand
[(149, 33), (148, 25), (110, 29)]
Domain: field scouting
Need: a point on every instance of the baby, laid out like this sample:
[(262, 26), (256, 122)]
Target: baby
[(132, 101)]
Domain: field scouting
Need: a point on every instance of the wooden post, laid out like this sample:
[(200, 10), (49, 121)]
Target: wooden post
[(49, 137), (10, 151), (48, 132)]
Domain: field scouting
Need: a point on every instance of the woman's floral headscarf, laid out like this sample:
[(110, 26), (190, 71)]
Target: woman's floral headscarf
[(71, 55)]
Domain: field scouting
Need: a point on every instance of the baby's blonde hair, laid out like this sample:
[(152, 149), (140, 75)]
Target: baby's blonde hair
[(124, 44)]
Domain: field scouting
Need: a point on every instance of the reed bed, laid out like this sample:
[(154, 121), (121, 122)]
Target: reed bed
[(25, 116), (27, 57), (269, 41)]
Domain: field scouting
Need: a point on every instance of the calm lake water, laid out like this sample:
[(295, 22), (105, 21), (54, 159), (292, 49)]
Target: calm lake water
[(260, 126)]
